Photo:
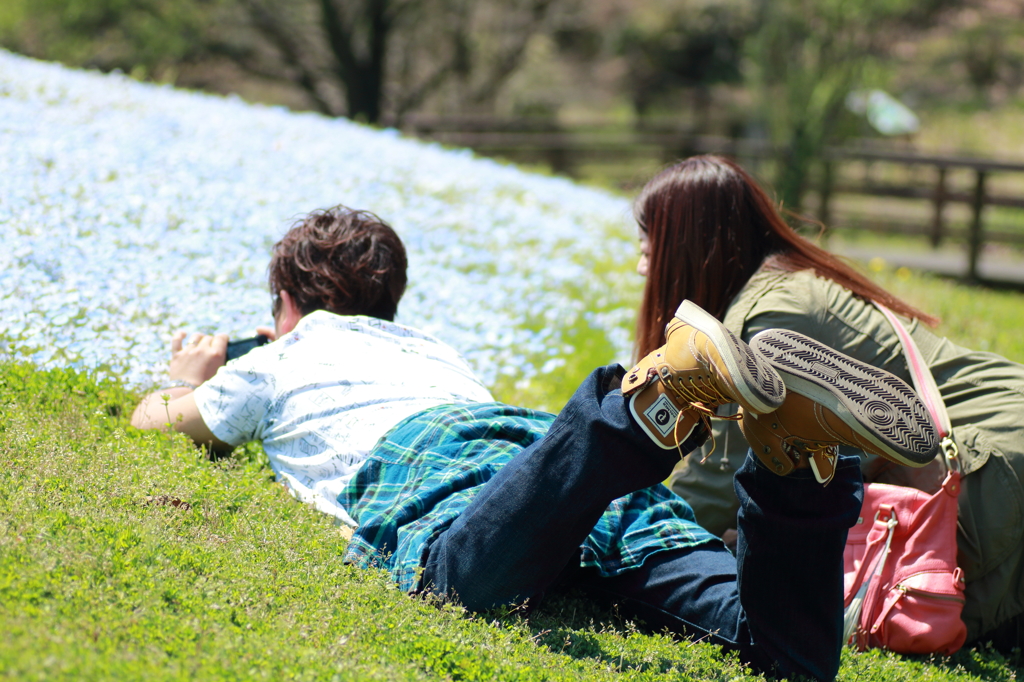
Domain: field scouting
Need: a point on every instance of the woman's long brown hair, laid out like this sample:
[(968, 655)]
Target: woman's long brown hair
[(710, 227)]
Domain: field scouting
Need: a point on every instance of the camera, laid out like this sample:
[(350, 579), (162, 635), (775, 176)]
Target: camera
[(239, 347)]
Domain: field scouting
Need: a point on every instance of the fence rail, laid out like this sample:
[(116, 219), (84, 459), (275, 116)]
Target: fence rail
[(565, 151), (939, 194)]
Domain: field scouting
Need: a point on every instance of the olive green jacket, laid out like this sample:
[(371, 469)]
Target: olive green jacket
[(984, 395)]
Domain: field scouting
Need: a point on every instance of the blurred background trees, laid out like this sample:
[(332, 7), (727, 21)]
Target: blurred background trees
[(672, 46), (779, 72), (808, 56), (371, 60), (149, 39), (378, 60)]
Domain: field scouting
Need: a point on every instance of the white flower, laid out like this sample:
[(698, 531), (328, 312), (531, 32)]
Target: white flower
[(128, 211)]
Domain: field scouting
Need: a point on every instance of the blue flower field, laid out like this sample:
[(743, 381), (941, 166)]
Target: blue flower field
[(128, 211)]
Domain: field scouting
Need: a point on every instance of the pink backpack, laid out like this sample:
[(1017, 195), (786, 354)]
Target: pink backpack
[(903, 589)]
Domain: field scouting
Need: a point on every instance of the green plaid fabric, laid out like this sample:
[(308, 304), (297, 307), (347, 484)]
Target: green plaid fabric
[(425, 471)]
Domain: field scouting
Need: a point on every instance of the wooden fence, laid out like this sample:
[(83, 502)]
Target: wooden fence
[(835, 176), (939, 194)]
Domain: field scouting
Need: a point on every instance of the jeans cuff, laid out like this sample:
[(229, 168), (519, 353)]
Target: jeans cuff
[(799, 495)]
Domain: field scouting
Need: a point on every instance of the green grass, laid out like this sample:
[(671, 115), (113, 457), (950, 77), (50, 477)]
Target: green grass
[(585, 345), (975, 318), (129, 555), (978, 131)]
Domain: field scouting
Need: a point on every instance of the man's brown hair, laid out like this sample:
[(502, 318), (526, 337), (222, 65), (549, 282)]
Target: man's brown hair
[(341, 260)]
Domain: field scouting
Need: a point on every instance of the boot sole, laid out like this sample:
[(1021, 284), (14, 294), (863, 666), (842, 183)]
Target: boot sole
[(760, 389), (878, 405)]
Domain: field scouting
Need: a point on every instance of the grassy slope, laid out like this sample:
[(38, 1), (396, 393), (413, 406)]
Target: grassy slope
[(126, 555)]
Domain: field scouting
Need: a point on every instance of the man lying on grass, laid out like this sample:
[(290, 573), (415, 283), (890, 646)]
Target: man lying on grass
[(488, 504)]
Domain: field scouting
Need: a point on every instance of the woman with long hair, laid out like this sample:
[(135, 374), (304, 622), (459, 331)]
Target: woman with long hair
[(710, 234)]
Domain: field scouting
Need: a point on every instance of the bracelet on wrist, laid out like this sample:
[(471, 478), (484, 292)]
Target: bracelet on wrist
[(181, 383)]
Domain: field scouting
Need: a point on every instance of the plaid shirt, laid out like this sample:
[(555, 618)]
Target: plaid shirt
[(426, 470)]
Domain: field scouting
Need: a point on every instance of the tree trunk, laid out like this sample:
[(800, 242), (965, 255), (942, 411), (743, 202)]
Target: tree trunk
[(796, 160), (362, 76)]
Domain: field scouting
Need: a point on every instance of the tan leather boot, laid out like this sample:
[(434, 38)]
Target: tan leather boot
[(701, 366), (831, 400)]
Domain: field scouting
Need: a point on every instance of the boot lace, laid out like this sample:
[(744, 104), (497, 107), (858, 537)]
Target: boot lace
[(699, 395), (830, 451)]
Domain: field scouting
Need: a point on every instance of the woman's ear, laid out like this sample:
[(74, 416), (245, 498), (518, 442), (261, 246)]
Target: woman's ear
[(288, 315)]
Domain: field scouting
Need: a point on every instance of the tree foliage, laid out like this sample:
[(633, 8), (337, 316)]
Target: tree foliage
[(369, 59), (668, 46), (805, 59), (992, 53), (150, 38), (373, 60), (383, 60)]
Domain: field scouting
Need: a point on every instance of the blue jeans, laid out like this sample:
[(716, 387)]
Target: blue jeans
[(779, 601)]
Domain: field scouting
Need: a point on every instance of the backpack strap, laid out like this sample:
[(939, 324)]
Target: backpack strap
[(924, 382), (872, 566)]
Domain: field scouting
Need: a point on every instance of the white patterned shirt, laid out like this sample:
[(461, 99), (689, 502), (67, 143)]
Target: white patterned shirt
[(321, 396)]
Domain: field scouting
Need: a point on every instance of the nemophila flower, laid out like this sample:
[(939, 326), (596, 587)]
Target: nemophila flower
[(129, 210)]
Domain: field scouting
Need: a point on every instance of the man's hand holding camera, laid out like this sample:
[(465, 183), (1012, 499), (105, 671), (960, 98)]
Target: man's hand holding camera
[(174, 406), (199, 359)]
